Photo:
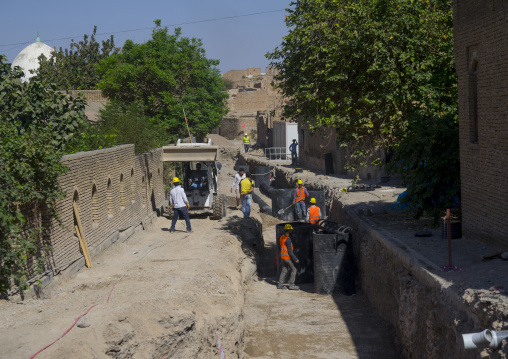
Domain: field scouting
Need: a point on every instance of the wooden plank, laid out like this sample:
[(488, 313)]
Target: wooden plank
[(81, 234), (88, 262)]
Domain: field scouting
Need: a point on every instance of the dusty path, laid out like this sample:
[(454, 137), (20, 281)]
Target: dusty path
[(302, 324)]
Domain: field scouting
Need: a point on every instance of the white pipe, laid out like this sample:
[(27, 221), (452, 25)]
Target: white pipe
[(489, 338)]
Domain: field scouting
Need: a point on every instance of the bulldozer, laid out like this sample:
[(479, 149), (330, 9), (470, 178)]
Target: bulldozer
[(207, 198)]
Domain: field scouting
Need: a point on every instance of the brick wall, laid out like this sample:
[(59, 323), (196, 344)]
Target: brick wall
[(480, 31), (114, 189)]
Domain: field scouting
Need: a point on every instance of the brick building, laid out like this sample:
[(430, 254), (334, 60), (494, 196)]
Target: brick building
[(481, 50)]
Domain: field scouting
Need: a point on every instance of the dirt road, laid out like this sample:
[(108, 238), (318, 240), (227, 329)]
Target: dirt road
[(161, 295), (303, 324)]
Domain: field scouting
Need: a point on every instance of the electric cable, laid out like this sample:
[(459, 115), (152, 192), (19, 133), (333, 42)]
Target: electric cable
[(153, 27)]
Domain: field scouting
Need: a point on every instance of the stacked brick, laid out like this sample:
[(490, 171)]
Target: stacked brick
[(114, 189), (480, 58)]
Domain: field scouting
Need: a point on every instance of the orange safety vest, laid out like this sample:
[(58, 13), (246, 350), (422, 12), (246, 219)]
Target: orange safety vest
[(313, 214), (300, 195), (284, 254)]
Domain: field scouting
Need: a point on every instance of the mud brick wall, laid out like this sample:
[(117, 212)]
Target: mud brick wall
[(481, 51), (114, 189)]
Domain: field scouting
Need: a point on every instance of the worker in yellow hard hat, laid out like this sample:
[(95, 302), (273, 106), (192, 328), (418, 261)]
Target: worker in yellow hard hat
[(179, 205), (313, 212), (299, 200), (286, 256)]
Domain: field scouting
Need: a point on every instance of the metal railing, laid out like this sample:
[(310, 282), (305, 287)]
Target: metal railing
[(277, 154)]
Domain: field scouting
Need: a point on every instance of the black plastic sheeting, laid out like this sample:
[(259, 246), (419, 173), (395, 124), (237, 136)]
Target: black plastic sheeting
[(282, 198), (263, 206), (301, 237), (261, 174), (334, 264)]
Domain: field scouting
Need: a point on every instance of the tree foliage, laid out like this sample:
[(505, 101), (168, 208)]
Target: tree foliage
[(165, 75), (36, 126), (382, 73), (75, 69), (364, 66), (428, 162)]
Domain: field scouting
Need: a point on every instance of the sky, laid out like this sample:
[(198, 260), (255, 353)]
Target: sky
[(238, 41)]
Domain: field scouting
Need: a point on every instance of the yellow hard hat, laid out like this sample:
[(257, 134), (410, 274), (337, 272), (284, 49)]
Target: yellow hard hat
[(288, 226), (312, 200), (300, 182), (176, 180)]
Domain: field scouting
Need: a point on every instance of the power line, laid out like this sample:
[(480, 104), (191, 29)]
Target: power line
[(152, 27)]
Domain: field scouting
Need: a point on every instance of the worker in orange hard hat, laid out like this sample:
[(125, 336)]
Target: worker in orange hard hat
[(313, 212), (287, 257), (299, 200)]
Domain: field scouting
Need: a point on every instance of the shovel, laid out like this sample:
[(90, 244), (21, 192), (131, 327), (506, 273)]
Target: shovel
[(281, 211)]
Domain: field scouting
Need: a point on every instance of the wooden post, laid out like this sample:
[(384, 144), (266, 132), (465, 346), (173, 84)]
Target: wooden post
[(81, 237), (187, 124)]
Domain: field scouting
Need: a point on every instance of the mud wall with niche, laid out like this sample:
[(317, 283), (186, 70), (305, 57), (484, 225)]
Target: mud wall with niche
[(115, 192)]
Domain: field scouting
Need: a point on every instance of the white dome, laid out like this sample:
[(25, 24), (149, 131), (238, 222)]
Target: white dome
[(28, 58)]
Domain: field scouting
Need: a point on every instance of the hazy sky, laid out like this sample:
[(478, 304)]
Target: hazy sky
[(238, 42)]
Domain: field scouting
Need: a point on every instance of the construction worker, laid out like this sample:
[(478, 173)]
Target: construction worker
[(299, 200), (198, 179), (246, 142), (179, 205), (236, 184), (286, 256), (246, 188), (293, 148), (313, 212)]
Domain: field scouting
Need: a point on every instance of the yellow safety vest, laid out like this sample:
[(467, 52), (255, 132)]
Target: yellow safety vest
[(245, 140)]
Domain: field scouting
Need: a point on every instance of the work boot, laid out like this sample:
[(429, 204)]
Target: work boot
[(171, 230), (281, 286), (189, 230), (293, 287)]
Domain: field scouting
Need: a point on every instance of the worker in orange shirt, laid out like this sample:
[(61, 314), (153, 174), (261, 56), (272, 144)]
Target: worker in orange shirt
[(313, 212), (287, 257), (299, 200)]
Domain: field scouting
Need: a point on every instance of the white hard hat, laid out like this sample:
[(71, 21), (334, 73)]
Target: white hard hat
[(245, 133)]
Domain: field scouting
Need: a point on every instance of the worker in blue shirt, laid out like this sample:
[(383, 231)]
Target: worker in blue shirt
[(294, 155)]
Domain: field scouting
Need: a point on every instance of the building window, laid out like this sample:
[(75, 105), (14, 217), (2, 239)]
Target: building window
[(133, 187), (122, 193), (143, 191), (473, 105), (95, 208), (109, 198)]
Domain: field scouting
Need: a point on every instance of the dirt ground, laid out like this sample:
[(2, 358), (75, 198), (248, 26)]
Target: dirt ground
[(161, 295)]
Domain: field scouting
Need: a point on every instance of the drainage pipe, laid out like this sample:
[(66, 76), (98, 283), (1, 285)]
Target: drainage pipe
[(263, 206), (487, 338)]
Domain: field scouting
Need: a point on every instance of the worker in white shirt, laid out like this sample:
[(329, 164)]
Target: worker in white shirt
[(236, 184), (179, 204)]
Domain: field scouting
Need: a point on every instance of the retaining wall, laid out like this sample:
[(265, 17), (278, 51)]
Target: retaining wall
[(429, 313), (116, 193)]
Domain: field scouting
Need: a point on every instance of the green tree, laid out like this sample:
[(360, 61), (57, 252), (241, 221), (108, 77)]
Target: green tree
[(36, 126), (365, 66), (166, 75), (382, 73), (75, 69)]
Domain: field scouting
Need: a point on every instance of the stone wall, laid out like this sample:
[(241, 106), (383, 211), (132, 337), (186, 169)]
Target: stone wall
[(429, 313), (480, 57), (115, 191)]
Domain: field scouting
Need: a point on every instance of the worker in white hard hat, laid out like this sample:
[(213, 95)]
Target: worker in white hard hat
[(287, 257), (246, 142), (299, 200), (179, 205)]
